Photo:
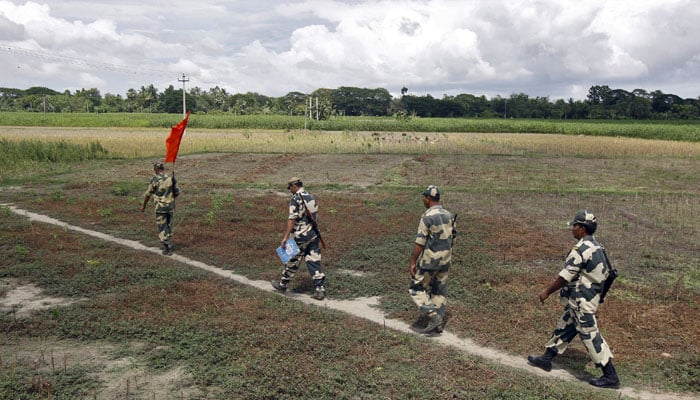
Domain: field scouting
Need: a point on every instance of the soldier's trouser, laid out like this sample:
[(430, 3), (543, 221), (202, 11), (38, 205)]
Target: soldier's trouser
[(428, 290), (573, 322), (163, 223), (310, 252)]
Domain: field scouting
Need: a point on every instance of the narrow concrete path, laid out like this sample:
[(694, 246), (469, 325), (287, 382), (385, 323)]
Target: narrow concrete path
[(363, 308)]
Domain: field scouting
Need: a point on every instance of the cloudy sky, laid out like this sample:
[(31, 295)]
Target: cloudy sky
[(554, 48)]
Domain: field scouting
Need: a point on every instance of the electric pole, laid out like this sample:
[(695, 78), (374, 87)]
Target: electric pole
[(184, 105)]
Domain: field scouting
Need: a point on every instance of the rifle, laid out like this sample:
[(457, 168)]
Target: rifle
[(612, 275), (454, 227), (311, 219)]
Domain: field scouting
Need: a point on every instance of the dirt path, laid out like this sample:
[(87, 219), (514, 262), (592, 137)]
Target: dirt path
[(362, 308)]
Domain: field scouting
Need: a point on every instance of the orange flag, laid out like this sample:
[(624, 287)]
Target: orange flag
[(172, 143)]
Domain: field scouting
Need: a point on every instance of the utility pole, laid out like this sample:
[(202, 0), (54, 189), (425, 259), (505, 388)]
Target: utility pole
[(311, 107), (184, 105)]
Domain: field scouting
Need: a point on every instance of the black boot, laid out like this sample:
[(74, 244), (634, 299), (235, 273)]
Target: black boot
[(167, 249), (434, 321), (420, 323), (544, 361), (609, 378)]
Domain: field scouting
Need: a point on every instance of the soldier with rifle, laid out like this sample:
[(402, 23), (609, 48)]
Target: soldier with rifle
[(302, 226), (430, 263), (582, 285)]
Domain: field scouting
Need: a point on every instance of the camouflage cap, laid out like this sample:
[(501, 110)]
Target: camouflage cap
[(158, 165), (294, 181), (584, 218), (432, 191)]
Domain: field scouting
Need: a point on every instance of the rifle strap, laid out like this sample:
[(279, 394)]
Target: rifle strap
[(607, 260)]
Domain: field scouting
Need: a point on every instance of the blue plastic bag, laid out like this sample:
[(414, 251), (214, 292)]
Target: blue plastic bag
[(288, 251)]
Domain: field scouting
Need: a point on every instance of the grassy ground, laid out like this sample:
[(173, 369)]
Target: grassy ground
[(235, 342)]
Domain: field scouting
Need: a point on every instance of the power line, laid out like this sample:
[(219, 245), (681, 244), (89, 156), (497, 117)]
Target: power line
[(49, 56)]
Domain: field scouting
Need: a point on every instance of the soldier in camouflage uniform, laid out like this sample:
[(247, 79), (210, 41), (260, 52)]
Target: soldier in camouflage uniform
[(580, 283), (430, 262), (306, 238), (164, 190)]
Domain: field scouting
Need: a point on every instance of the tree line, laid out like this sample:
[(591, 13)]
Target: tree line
[(602, 102)]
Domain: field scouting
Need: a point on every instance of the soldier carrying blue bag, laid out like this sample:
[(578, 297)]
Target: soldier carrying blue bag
[(302, 227)]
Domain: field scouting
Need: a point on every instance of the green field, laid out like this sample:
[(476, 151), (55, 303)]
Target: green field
[(139, 319), (663, 130)]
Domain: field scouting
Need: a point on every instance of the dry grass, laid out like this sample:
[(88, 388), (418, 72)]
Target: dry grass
[(142, 143)]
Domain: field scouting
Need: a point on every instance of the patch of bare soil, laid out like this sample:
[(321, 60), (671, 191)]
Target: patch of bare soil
[(120, 377), (25, 299)]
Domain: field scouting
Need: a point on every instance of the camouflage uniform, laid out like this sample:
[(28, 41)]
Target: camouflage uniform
[(428, 288), (580, 284), (585, 271), (307, 240), (163, 190)]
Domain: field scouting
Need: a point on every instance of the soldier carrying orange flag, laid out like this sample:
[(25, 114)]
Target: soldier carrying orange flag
[(164, 188)]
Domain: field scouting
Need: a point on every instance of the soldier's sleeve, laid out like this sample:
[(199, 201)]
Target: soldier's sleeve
[(150, 189), (573, 264), (294, 208), (423, 232)]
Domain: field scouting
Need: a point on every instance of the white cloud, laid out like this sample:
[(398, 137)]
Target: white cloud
[(556, 48)]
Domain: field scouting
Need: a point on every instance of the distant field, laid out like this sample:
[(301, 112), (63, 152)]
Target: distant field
[(150, 142), (662, 130)]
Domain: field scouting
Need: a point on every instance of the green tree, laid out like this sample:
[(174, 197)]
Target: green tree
[(540, 107), (322, 106), (473, 106), (147, 98), (41, 91), (353, 101), (292, 103), (599, 94), (218, 98), (687, 111), (170, 101), (131, 101), (662, 103), (113, 103), (639, 108), (421, 106), (92, 98), (598, 97)]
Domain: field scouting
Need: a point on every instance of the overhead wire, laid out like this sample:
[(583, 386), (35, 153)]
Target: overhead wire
[(49, 56)]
